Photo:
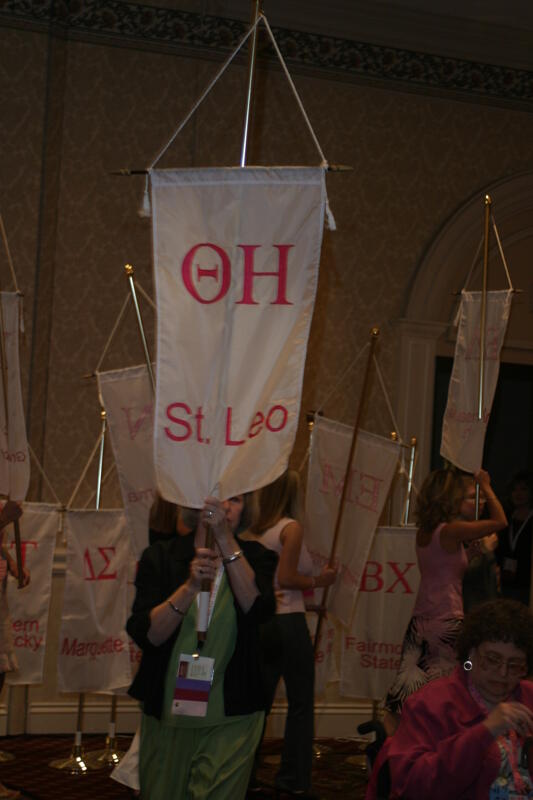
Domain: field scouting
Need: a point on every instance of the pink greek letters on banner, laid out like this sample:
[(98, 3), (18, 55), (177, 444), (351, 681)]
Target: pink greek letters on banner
[(28, 607), (235, 261), (94, 653), (221, 273)]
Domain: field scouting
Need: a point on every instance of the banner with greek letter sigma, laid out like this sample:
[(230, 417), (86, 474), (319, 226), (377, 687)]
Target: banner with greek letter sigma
[(236, 255), (93, 644), (29, 607), (463, 434), (371, 647), (15, 460), (370, 477), (128, 401)]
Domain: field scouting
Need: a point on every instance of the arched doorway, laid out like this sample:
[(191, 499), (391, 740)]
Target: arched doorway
[(426, 330)]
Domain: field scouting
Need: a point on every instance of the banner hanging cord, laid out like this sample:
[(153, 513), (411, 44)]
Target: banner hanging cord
[(145, 295), (119, 320), (43, 474), (337, 385), (295, 92), (343, 376), (500, 248), (204, 94), (85, 470), (478, 251), (387, 400), (113, 331), (8, 253)]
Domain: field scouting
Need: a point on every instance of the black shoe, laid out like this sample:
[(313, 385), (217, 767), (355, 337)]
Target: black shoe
[(303, 794)]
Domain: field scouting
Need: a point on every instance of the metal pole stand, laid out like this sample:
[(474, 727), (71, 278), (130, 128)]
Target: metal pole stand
[(76, 764), (109, 756)]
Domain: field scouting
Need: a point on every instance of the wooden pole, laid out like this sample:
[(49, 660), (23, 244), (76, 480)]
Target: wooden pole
[(3, 358), (374, 333), (410, 480)]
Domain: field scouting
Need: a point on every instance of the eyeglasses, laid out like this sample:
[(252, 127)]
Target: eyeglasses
[(494, 661)]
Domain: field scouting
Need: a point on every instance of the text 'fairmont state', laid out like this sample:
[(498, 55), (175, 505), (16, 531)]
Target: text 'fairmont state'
[(374, 655)]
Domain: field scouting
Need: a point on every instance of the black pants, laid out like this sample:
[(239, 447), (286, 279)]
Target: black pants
[(289, 655)]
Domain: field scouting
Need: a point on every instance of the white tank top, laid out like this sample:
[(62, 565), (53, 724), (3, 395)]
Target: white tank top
[(288, 601)]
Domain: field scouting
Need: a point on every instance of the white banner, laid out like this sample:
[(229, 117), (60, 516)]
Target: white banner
[(326, 652), (14, 455), (29, 607), (373, 468), (236, 255), (127, 398), (463, 434), (93, 644), (371, 648)]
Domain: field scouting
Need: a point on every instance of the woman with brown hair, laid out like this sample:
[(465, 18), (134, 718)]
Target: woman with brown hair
[(468, 736), (203, 705), (446, 518)]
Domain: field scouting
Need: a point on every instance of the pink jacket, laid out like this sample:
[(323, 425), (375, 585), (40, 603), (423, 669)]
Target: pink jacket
[(441, 749)]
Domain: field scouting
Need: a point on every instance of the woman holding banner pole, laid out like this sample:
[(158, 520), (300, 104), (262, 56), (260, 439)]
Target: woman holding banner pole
[(203, 705), (446, 516), (287, 647)]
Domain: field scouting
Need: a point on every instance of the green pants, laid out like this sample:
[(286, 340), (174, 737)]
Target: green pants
[(198, 763)]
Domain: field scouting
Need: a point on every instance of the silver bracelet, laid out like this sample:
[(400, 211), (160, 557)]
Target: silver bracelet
[(175, 608), (233, 557)]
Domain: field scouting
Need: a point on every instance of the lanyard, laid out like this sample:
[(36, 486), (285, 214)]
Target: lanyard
[(513, 537), (510, 743), (214, 591)]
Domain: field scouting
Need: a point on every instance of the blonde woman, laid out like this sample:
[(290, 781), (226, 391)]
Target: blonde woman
[(288, 652)]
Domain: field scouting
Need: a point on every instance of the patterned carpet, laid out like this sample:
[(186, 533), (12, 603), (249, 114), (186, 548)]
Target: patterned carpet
[(338, 772)]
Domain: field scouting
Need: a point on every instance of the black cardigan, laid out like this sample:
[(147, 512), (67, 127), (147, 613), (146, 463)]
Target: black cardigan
[(164, 566)]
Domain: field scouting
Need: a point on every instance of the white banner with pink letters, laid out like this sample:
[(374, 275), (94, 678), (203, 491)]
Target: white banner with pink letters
[(14, 454), (128, 401), (236, 254), (463, 434), (29, 606), (371, 647), (370, 477), (93, 645)]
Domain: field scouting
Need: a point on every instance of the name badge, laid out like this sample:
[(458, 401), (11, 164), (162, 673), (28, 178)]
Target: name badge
[(510, 565), (499, 790), (194, 679)]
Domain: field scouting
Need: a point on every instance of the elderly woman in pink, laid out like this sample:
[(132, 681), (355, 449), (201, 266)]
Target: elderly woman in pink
[(468, 736)]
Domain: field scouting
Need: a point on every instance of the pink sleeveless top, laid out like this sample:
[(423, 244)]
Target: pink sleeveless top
[(440, 592)]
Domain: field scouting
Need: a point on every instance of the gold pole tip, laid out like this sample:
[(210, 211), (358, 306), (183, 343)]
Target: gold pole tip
[(394, 436), (103, 415), (413, 441), (488, 200), (374, 332), (128, 269)]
